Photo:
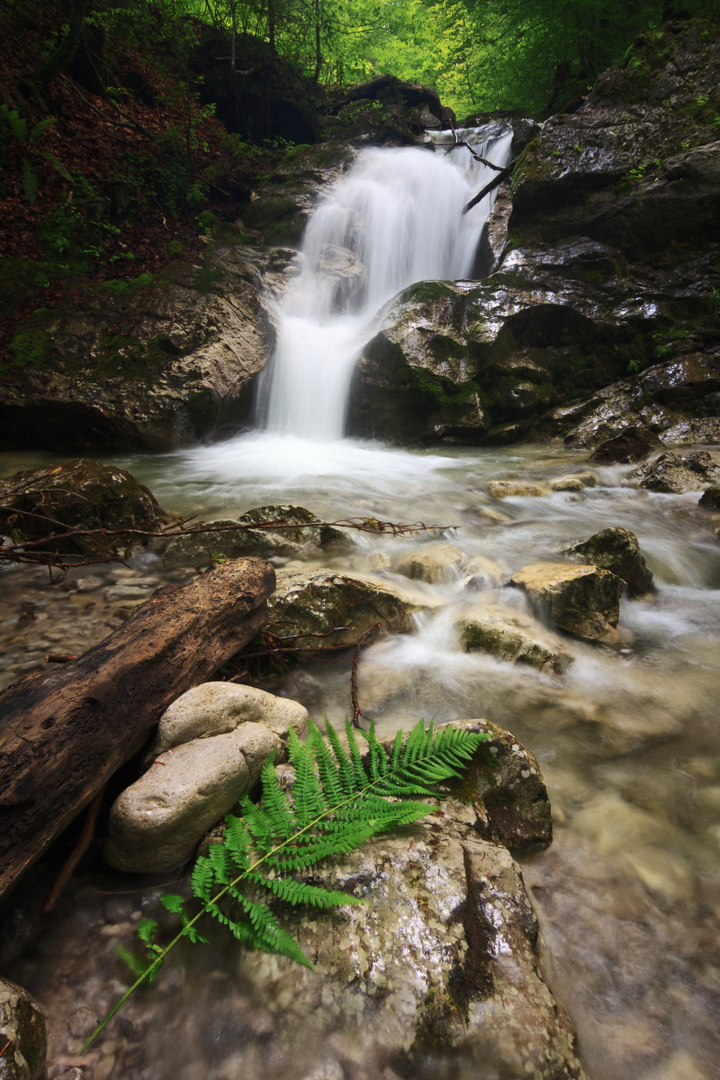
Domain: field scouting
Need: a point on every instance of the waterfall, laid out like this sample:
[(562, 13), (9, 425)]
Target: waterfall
[(394, 219)]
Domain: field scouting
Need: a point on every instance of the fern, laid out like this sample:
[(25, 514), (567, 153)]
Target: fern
[(341, 797)]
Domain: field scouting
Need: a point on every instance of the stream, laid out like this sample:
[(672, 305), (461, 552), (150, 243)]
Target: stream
[(628, 895)]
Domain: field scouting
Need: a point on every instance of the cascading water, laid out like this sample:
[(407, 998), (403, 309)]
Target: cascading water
[(395, 219)]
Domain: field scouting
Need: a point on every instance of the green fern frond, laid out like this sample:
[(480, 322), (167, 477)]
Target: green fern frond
[(340, 798)]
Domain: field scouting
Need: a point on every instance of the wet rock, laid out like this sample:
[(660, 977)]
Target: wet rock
[(482, 573), (567, 483), (710, 499), (225, 539), (339, 607), (233, 538), (676, 474), (505, 489), (22, 1034), (81, 494), (584, 601), (632, 444), (216, 708), (440, 957), (617, 550), (511, 637), (432, 563)]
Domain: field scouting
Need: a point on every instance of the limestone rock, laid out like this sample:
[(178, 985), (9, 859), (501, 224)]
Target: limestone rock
[(676, 474), (511, 637), (432, 563), (22, 1034), (193, 342), (505, 489), (567, 483), (340, 606), (216, 708), (82, 494), (156, 823), (617, 550), (583, 600), (482, 573), (442, 955)]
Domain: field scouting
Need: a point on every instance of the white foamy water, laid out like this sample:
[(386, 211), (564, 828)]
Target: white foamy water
[(395, 219)]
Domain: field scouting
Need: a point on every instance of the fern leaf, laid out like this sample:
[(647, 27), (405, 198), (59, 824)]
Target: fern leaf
[(30, 182)]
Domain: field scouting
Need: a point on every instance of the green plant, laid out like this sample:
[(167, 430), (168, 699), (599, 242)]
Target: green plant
[(16, 129), (340, 799)]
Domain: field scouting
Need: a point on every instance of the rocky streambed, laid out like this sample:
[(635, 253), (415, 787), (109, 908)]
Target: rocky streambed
[(624, 733)]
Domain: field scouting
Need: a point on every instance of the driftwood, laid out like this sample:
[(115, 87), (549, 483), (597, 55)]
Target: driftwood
[(63, 734)]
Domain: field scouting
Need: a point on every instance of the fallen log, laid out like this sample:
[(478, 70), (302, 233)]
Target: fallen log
[(63, 734)]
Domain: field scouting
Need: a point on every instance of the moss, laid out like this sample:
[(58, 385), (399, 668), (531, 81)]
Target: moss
[(122, 289), (450, 397), (131, 358), (207, 280)]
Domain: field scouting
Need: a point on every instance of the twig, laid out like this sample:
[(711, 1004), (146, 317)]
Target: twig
[(82, 844), (5, 1047), (495, 182), (353, 676), (60, 657)]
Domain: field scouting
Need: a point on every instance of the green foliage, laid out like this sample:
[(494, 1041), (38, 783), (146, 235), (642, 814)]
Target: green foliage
[(341, 797), (16, 130)]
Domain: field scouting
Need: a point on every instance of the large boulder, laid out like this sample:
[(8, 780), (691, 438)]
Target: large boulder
[(82, 494), (149, 364), (676, 474), (22, 1034), (436, 970), (582, 600), (617, 550)]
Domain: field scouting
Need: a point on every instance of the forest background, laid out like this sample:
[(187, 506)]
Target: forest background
[(116, 158)]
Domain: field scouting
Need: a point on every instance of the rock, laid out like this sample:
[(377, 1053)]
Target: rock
[(617, 550), (237, 537), (81, 494), (584, 601), (482, 573), (710, 499), (156, 823), (432, 563), (340, 607), (505, 489), (676, 474), (193, 340), (632, 444), (22, 1034), (567, 483), (216, 708), (441, 958), (225, 539), (509, 636)]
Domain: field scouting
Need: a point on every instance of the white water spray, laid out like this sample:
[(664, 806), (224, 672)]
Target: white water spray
[(395, 219)]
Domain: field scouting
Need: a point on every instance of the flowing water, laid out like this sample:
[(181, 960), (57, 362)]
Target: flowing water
[(628, 895)]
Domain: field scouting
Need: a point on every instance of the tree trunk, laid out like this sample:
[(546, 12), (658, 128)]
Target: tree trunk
[(63, 734), (66, 49)]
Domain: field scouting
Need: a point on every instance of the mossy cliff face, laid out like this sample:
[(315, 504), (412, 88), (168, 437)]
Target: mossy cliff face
[(611, 267), (155, 363)]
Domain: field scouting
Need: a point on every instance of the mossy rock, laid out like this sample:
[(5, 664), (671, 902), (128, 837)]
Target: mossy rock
[(80, 494)]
